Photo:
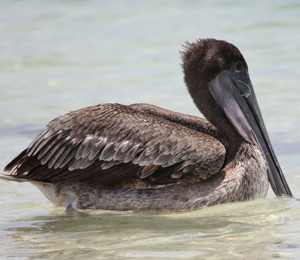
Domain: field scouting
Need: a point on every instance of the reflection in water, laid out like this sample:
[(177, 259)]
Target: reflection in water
[(64, 55), (261, 225)]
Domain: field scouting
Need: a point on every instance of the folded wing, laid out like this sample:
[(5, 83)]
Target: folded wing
[(112, 144)]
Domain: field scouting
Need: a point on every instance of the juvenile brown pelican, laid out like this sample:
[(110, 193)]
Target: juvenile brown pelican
[(142, 157)]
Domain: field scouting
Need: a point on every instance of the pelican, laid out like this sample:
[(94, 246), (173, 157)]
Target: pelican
[(143, 157)]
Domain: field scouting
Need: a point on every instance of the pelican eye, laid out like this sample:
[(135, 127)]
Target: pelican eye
[(238, 66)]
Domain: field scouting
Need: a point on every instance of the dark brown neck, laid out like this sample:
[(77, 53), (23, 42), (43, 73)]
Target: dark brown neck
[(215, 115)]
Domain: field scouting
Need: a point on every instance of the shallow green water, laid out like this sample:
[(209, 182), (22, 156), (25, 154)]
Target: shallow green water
[(57, 56)]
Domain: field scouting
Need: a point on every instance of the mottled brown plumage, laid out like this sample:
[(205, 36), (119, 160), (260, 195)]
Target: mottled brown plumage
[(108, 143), (142, 157)]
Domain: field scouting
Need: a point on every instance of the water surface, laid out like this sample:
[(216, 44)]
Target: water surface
[(57, 56)]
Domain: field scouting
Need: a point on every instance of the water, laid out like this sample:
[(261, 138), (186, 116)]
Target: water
[(57, 56)]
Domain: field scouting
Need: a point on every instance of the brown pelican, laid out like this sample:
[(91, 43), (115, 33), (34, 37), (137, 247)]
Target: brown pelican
[(143, 157)]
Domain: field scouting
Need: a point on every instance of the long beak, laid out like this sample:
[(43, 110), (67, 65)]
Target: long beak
[(234, 93)]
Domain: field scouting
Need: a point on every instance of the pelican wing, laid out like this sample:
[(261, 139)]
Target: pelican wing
[(116, 144)]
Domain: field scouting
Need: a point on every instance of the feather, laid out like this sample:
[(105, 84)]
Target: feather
[(109, 143)]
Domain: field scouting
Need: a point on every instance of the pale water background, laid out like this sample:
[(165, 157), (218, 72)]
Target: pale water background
[(57, 56)]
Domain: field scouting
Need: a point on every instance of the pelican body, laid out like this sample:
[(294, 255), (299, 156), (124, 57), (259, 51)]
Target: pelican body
[(143, 157)]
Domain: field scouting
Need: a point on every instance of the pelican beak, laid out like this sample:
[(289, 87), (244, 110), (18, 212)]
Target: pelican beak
[(233, 92)]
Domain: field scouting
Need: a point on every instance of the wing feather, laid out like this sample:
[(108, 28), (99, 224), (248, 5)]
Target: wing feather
[(108, 143)]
